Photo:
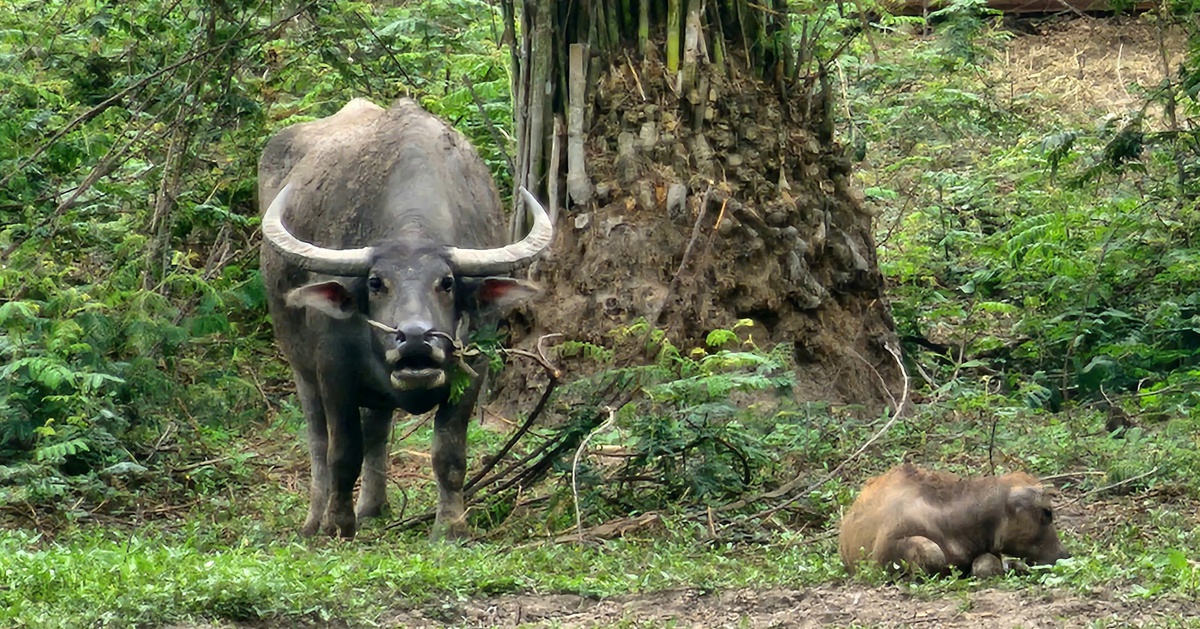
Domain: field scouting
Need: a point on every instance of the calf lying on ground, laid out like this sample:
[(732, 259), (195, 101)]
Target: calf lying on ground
[(922, 520)]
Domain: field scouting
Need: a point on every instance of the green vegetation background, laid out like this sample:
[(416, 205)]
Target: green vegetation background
[(1043, 267)]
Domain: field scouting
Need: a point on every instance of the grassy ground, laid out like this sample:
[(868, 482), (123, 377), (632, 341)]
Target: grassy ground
[(233, 556), (222, 547)]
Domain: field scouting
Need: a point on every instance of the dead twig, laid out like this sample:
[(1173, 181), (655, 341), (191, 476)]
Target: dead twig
[(612, 418), (635, 77), (420, 424), (882, 382), (191, 466), (554, 375), (608, 530), (386, 49), (1113, 486), (1065, 475)]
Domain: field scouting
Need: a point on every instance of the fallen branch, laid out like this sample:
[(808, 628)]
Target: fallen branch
[(610, 530), (199, 464), (554, 375)]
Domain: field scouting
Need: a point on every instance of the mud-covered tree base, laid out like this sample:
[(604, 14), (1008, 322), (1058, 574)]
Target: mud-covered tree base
[(715, 195)]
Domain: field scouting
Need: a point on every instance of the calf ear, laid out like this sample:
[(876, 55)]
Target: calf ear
[(1024, 498), (499, 293), (331, 298)]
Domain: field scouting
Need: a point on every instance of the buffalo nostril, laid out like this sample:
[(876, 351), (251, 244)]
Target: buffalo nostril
[(416, 334)]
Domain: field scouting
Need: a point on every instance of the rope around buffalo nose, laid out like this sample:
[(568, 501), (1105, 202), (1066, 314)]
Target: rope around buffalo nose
[(460, 352)]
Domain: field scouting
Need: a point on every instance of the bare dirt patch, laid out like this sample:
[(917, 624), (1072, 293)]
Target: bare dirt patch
[(1091, 66), (816, 607)]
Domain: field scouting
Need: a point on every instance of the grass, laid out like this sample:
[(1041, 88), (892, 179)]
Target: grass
[(224, 547), (235, 556), (151, 575)]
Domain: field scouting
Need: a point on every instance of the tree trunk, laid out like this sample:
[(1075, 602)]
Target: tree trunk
[(702, 184)]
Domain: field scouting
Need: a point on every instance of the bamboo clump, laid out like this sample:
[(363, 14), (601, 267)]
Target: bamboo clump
[(552, 80)]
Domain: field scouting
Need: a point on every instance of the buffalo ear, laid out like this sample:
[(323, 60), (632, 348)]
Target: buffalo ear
[(499, 293), (331, 298), (1024, 498)]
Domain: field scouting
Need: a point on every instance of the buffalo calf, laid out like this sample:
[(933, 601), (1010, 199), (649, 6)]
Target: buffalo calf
[(925, 521)]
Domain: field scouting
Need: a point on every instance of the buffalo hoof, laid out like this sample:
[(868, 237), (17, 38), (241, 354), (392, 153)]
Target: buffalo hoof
[(450, 531), (311, 526), (344, 532), (987, 566), (376, 511), (342, 525)]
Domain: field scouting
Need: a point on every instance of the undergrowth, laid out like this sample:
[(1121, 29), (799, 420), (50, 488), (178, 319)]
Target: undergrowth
[(1042, 266), (133, 335), (1044, 252)]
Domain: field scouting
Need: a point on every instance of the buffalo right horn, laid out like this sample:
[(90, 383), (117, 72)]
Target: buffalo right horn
[(510, 257), (344, 262)]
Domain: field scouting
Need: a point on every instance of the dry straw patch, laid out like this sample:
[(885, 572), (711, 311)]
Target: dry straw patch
[(1088, 67)]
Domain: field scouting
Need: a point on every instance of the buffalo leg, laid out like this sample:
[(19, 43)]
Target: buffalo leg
[(318, 447), (372, 496), (345, 463), (915, 554), (450, 462), (987, 566)]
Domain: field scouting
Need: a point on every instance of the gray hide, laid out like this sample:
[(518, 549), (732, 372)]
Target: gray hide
[(415, 203)]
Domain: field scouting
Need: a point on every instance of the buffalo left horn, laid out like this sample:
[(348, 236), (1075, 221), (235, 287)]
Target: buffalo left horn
[(344, 262), (510, 257)]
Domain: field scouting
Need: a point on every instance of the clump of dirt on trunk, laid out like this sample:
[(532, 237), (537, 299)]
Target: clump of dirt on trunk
[(756, 193)]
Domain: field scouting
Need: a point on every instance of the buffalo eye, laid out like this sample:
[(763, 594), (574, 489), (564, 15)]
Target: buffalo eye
[(447, 283), (375, 284)]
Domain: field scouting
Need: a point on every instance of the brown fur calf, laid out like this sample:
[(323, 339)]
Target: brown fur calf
[(922, 520)]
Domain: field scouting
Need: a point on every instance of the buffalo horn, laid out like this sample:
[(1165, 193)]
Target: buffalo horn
[(510, 257), (344, 262)]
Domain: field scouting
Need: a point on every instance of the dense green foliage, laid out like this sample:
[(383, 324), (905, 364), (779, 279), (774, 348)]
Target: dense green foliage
[(1033, 246), (132, 312), (1042, 264)]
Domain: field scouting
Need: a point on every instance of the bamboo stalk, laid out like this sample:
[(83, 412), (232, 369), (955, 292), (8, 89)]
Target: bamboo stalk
[(644, 27), (555, 164), (742, 18), (509, 38), (614, 25), (691, 48), (673, 16), (783, 42), (578, 185), (542, 55), (521, 110), (600, 24), (717, 37)]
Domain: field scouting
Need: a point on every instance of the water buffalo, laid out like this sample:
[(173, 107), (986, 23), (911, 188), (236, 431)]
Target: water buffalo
[(383, 239), (927, 521)]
